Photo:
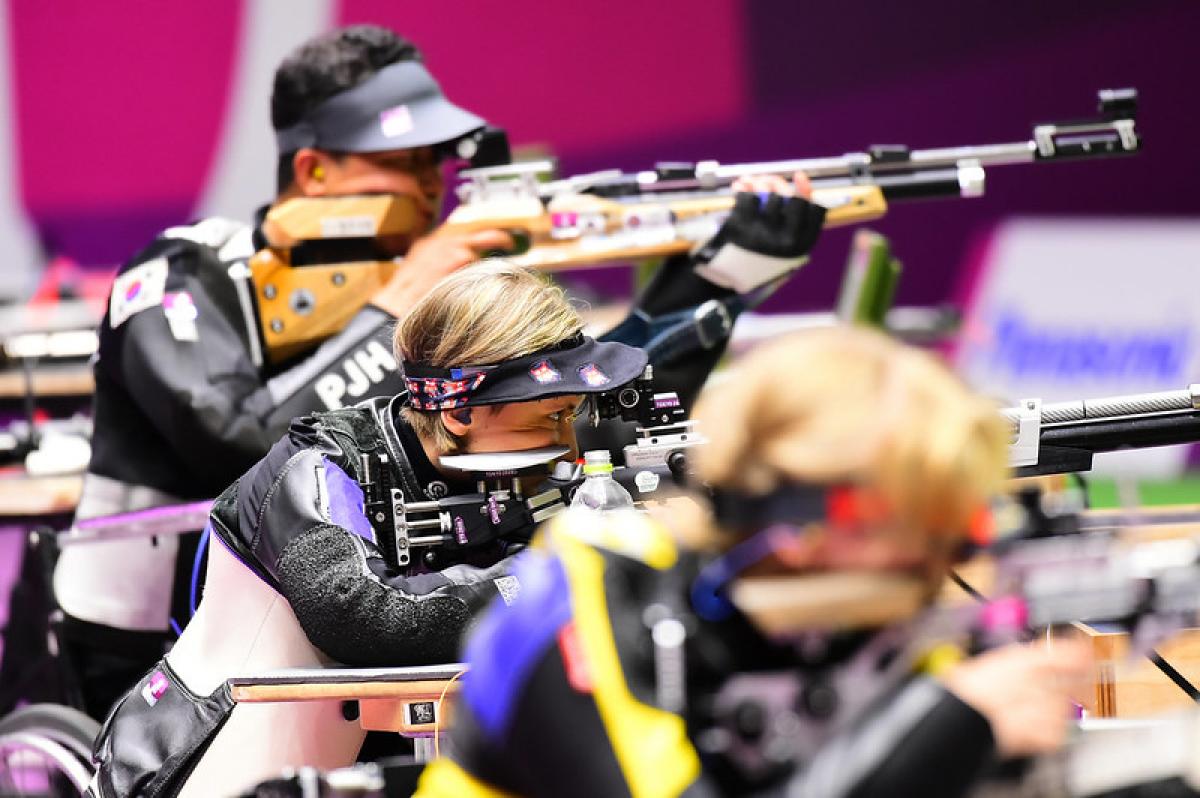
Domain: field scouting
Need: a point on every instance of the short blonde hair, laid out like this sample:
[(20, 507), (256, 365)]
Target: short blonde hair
[(485, 313), (851, 405)]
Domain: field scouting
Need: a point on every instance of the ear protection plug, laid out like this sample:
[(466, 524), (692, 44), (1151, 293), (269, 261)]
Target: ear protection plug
[(318, 172), (463, 416)]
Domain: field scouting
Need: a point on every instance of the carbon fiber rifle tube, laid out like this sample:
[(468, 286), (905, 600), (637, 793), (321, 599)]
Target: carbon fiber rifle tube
[(1130, 432), (1061, 437), (1111, 407)]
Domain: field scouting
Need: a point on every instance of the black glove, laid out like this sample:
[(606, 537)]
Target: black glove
[(760, 241)]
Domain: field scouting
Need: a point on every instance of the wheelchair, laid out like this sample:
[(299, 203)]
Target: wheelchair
[(46, 746)]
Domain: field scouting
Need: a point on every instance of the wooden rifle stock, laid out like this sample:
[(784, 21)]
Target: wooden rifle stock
[(613, 231), (300, 306)]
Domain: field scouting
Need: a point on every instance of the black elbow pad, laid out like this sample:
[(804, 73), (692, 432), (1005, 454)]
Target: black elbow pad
[(353, 617)]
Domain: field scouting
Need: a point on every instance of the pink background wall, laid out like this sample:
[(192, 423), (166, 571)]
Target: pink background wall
[(119, 111)]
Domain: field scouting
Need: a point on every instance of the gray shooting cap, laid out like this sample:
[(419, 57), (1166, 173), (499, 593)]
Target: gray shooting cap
[(398, 108)]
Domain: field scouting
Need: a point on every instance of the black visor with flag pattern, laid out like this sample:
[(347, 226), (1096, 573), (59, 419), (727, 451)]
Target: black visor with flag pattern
[(577, 365)]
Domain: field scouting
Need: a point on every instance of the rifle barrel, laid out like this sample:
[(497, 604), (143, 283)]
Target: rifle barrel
[(1061, 437), (865, 168), (1113, 134), (1141, 431), (1113, 407)]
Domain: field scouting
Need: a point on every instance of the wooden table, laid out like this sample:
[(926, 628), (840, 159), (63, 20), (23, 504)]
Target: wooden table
[(23, 496), (1126, 685), (1129, 686), (57, 381), (409, 701)]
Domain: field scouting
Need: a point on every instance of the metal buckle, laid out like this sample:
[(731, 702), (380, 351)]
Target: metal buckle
[(1026, 447)]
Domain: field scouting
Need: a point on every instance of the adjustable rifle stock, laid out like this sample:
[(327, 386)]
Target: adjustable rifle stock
[(578, 229)]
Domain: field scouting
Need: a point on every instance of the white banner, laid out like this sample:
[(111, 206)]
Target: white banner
[(1078, 309)]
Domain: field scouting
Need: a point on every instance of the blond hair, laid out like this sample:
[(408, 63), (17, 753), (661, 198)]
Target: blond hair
[(850, 405), (485, 313)]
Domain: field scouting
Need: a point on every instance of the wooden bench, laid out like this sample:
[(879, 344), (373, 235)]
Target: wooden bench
[(1128, 686), (26, 497), (412, 702)]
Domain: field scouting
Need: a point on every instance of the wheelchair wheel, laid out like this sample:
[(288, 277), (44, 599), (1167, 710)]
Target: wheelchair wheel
[(45, 750)]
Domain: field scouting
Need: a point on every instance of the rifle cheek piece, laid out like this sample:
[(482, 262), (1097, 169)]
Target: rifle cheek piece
[(499, 511)]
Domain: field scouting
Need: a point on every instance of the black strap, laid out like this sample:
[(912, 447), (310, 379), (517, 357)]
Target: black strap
[(1175, 676), (388, 467), (383, 410)]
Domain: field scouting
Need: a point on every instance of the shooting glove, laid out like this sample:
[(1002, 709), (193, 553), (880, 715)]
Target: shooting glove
[(765, 237)]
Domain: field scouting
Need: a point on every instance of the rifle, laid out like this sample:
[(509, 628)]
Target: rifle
[(618, 216), (1062, 437), (1050, 438), (503, 508), (613, 216)]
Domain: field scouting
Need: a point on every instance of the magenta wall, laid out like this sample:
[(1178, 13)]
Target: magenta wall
[(582, 76), (118, 107)]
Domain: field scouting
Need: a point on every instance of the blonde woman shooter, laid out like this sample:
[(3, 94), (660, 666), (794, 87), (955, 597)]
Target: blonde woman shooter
[(494, 362), (764, 650)]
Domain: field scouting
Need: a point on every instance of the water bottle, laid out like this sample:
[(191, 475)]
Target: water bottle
[(599, 490)]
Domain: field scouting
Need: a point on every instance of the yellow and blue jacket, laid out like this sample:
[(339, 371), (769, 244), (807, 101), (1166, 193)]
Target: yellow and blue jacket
[(560, 696)]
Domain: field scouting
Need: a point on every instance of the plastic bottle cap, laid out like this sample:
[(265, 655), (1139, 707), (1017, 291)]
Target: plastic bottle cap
[(597, 461)]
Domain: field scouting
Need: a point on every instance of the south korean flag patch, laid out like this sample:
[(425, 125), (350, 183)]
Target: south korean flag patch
[(138, 289)]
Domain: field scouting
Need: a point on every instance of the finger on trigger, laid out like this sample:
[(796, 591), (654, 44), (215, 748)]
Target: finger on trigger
[(802, 185)]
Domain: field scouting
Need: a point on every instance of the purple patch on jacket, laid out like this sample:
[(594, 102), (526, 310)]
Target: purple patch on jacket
[(346, 502)]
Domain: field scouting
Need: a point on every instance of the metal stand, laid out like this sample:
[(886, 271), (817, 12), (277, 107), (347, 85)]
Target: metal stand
[(424, 749)]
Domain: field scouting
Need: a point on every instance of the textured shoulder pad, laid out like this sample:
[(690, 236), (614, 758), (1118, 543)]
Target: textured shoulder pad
[(356, 423), (214, 232), (629, 533)]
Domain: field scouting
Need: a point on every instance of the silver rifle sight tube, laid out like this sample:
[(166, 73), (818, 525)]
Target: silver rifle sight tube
[(854, 162), (985, 155), (1137, 404)]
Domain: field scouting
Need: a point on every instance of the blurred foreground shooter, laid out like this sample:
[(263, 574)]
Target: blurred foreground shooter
[(767, 649)]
